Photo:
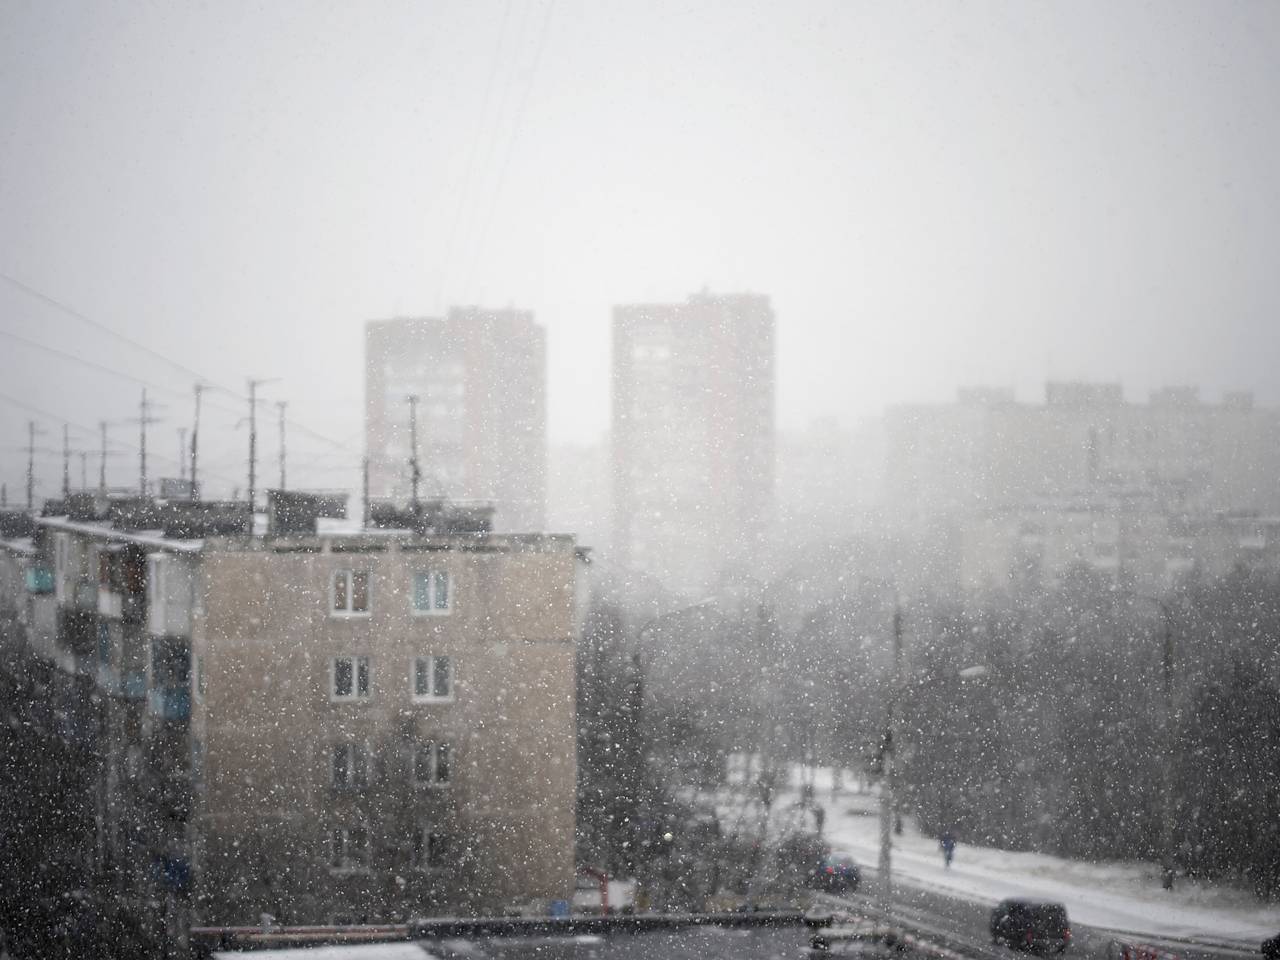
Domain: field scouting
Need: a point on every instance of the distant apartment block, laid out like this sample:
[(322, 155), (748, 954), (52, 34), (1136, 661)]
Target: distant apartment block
[(480, 376), (1142, 493), (988, 451), (692, 436), (324, 724)]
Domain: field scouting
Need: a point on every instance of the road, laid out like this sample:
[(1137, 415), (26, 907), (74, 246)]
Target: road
[(963, 925)]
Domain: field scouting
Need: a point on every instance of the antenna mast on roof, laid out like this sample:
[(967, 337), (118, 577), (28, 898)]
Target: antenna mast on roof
[(143, 420), (31, 464), (66, 462), (195, 442), (280, 405), (415, 472), (253, 437)]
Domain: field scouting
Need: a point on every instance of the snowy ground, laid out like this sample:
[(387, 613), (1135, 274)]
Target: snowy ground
[(1112, 895)]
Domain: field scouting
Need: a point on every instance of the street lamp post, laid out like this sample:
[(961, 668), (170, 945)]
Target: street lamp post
[(1167, 870), (1166, 791), (887, 773)]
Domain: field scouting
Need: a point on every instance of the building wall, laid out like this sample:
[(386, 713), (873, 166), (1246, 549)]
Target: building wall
[(263, 643), (991, 453), (482, 435), (692, 436)]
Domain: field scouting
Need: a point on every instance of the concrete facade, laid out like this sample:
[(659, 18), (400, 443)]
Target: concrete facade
[(480, 376), (369, 725), (268, 724), (1143, 494), (693, 445)]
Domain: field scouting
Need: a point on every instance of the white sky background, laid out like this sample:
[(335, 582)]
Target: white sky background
[(934, 194)]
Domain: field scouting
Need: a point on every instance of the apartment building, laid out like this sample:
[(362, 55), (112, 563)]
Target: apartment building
[(988, 451), (1143, 494), (480, 379), (692, 437), (318, 721)]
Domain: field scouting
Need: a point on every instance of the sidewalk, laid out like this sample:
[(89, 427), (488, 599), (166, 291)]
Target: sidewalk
[(1124, 896)]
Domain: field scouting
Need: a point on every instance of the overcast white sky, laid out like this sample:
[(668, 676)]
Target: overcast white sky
[(933, 194)]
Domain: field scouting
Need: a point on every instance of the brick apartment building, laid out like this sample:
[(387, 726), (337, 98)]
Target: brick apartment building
[(320, 721)]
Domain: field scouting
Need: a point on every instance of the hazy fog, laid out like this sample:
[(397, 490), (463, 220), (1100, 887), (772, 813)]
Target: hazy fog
[(932, 194)]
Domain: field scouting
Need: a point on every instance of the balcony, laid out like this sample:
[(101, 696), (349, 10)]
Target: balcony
[(172, 704), (85, 595), (78, 632), (110, 604), (39, 580), (133, 608)]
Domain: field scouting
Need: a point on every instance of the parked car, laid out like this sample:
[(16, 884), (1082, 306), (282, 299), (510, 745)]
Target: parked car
[(836, 873), (1030, 925)]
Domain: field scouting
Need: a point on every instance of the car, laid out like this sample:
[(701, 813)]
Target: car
[(836, 873), (1034, 925)]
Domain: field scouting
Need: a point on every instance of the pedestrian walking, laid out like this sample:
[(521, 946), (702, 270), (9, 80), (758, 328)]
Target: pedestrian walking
[(948, 844)]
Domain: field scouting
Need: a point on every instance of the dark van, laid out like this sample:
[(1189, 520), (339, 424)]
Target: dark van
[(1030, 925)]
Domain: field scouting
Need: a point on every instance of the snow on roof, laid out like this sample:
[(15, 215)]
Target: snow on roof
[(349, 951), (20, 545), (144, 538)]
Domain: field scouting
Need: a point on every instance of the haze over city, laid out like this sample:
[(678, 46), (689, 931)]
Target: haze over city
[(562, 479), (932, 195)]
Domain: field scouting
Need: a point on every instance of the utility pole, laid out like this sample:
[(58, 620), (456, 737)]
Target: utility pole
[(195, 442), (31, 465), (84, 471), (415, 472), (365, 495), (253, 438), (888, 749), (102, 460), (280, 405), (143, 421), (182, 453), (66, 462), (1166, 804)]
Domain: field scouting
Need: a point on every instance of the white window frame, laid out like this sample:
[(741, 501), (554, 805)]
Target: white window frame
[(431, 661), (339, 849), (433, 749), (421, 847), (356, 754), (348, 575), (431, 610), (355, 696)]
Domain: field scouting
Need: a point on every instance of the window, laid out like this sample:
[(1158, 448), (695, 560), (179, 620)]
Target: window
[(350, 593), (349, 678), (432, 592), (431, 763), (350, 768), (349, 848), (430, 849), (432, 678)]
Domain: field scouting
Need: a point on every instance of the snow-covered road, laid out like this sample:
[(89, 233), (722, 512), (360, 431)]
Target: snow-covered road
[(1114, 895)]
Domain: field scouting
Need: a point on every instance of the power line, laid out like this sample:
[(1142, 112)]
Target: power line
[(468, 169), (97, 324), (93, 364), (122, 446), (478, 250)]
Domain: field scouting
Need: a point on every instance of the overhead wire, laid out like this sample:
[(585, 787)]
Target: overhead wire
[(114, 446), (98, 325), (516, 125), (468, 169)]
